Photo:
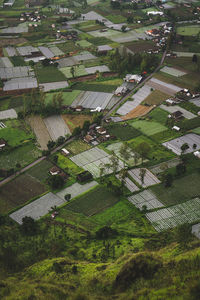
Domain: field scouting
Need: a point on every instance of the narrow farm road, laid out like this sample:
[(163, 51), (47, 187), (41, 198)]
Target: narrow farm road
[(136, 87), (6, 180)]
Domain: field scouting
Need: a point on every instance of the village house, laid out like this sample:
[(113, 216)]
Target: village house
[(176, 116), (121, 90), (170, 102), (153, 32), (88, 138), (79, 108), (100, 130), (65, 152), (2, 144), (133, 78), (54, 171)]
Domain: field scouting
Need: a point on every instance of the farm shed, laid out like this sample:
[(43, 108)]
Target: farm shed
[(65, 152), (121, 90), (2, 144)]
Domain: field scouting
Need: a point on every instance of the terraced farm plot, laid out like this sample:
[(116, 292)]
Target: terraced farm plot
[(148, 127), (37, 208), (196, 130), (163, 219), (92, 161), (67, 165), (41, 170), (171, 109), (38, 126), (131, 186), (196, 101), (16, 72), (147, 199), (74, 121), (139, 111), (123, 133), (159, 115), (56, 51), (78, 71), (93, 202), (172, 71), (84, 43), (53, 85), (148, 179), (138, 97), (68, 97), (67, 62), (196, 230), (19, 191), (77, 146), (56, 127), (76, 189), (49, 74), (85, 55), (164, 87), (101, 69), (155, 98), (131, 161), (190, 139), (93, 100), (188, 30), (5, 62)]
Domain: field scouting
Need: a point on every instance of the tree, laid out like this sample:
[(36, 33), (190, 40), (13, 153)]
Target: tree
[(142, 175), (180, 169), (130, 19), (168, 180), (56, 181), (76, 131), (46, 62), (125, 152), (194, 58), (55, 158), (29, 226), (143, 149), (50, 144), (123, 28), (67, 197), (184, 147), (86, 126), (114, 162), (60, 140), (72, 71), (183, 234)]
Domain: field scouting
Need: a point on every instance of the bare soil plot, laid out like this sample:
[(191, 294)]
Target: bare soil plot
[(18, 191), (56, 127), (190, 139), (171, 109), (147, 199), (74, 121), (12, 41), (37, 208), (8, 114), (155, 98), (138, 97), (139, 111), (76, 189), (38, 126), (187, 212), (149, 178), (164, 87)]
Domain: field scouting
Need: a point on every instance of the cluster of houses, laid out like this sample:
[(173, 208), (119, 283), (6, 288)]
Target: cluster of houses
[(129, 78), (31, 16), (97, 135), (159, 35)]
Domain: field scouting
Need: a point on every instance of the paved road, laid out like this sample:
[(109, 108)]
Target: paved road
[(6, 180), (136, 87)]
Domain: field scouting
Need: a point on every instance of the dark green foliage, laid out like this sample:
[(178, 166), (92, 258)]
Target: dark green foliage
[(60, 140), (56, 182), (29, 226), (140, 266), (106, 232), (76, 131), (168, 180), (123, 133), (183, 234), (67, 197), (50, 144), (189, 124), (180, 169)]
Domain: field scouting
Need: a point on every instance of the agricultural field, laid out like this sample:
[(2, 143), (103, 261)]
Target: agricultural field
[(19, 191), (67, 165), (77, 146), (23, 155), (148, 178), (159, 115), (189, 30), (139, 111), (196, 130), (160, 83), (38, 126), (15, 132), (93, 202), (79, 70), (145, 199), (129, 184), (171, 109), (40, 171), (182, 189), (188, 212), (122, 132), (74, 121), (37, 208), (140, 46), (8, 114), (93, 100), (173, 71), (56, 127), (68, 97), (148, 127), (49, 74), (155, 98)]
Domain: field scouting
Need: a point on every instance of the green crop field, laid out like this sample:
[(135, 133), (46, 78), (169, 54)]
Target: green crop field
[(24, 155), (83, 44), (159, 115), (93, 202), (77, 147), (156, 98), (68, 47), (196, 130), (148, 127), (123, 133), (41, 170), (16, 132), (17, 61), (181, 190), (49, 74), (116, 18), (78, 71), (67, 165), (188, 30), (68, 97)]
